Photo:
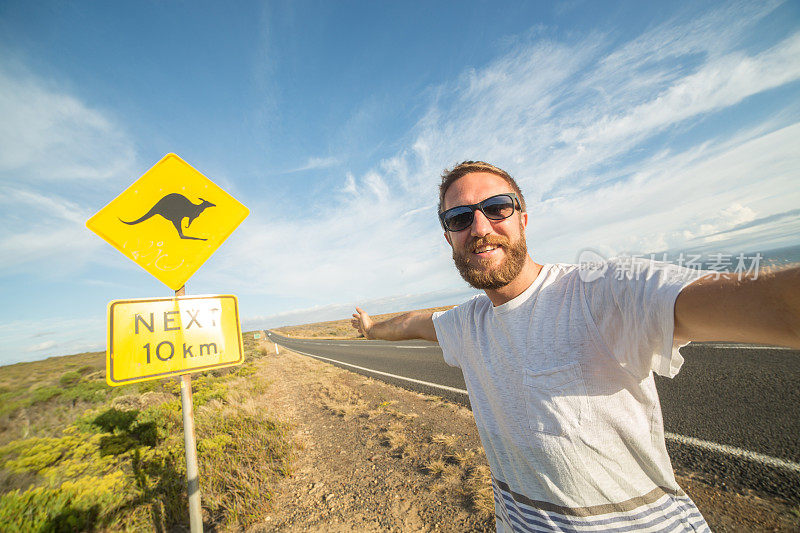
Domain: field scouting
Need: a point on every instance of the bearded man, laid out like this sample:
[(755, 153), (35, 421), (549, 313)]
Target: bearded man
[(559, 365)]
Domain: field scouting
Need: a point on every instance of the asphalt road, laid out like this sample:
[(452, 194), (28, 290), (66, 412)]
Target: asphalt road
[(728, 402)]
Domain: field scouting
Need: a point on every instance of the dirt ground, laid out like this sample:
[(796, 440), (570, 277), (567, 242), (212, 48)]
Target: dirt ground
[(374, 457)]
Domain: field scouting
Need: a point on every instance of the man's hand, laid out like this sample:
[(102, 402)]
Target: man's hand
[(413, 325), (362, 322)]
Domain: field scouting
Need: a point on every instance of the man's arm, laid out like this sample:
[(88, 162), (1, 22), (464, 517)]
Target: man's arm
[(413, 325), (763, 310)]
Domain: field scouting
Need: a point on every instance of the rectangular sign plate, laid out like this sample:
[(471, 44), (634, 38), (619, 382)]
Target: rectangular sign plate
[(154, 338)]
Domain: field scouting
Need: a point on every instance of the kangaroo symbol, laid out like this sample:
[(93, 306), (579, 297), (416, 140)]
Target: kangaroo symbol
[(175, 207)]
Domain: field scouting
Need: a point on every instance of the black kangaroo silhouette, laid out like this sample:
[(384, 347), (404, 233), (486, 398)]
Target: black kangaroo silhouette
[(175, 207)]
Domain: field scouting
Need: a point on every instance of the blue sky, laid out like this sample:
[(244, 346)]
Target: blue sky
[(631, 127)]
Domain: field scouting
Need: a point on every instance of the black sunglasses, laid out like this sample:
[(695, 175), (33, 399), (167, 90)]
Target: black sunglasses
[(496, 207)]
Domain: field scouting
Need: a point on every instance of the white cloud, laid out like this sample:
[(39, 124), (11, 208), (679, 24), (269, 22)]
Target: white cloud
[(673, 201), (21, 338), (571, 119), (36, 227), (46, 345), (720, 83), (315, 163), (48, 135), (54, 149)]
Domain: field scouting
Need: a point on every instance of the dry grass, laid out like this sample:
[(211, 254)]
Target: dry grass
[(341, 400), (460, 471), (459, 457), (397, 441), (435, 467), (476, 489), (447, 440), (472, 482), (406, 417), (395, 436)]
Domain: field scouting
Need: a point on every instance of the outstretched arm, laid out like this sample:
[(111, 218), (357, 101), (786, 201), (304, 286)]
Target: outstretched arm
[(413, 325), (763, 310)]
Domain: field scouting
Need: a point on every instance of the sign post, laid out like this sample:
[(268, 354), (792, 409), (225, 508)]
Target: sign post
[(190, 447), (181, 334)]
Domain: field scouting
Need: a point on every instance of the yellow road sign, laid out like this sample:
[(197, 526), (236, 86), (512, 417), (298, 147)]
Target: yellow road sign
[(154, 338), (170, 220)]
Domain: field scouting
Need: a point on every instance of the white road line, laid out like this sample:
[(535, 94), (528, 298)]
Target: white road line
[(730, 345), (414, 347), (735, 452), (395, 376), (325, 343), (691, 441)]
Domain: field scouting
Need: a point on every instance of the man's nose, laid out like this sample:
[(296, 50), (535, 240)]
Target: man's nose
[(480, 224)]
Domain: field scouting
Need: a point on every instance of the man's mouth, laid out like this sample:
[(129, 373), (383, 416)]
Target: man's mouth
[(486, 249)]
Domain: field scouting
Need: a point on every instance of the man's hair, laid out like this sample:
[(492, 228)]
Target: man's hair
[(468, 167)]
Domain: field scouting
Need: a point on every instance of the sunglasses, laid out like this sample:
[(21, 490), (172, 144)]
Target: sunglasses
[(496, 207)]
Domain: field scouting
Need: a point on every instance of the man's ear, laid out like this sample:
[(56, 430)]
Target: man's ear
[(447, 238), (524, 219)]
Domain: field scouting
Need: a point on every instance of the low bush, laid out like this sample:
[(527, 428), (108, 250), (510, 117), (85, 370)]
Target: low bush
[(69, 378)]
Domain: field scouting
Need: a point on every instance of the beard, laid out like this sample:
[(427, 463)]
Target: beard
[(493, 279)]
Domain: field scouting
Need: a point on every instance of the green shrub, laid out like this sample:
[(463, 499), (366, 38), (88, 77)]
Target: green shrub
[(245, 371), (87, 391), (43, 394), (10, 401), (206, 388), (74, 506), (69, 378)]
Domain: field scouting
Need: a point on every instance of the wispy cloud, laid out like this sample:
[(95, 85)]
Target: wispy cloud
[(52, 145), (761, 221), (22, 338), (46, 345), (314, 163), (603, 136), (49, 135)]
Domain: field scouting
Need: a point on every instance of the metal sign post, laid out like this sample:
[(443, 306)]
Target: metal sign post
[(190, 448)]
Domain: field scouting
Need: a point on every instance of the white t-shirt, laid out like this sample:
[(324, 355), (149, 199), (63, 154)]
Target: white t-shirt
[(560, 380)]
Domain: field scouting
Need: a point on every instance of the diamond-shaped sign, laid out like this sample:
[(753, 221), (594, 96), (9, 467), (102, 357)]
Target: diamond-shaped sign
[(170, 220)]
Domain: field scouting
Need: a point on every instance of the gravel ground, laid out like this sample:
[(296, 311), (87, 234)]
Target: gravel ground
[(374, 457)]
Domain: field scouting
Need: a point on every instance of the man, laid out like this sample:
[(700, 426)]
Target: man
[(559, 365)]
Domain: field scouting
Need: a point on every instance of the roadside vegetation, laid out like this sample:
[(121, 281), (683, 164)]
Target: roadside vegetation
[(76, 454)]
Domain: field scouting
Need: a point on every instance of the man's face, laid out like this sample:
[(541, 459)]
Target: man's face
[(490, 253)]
